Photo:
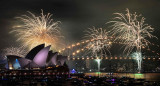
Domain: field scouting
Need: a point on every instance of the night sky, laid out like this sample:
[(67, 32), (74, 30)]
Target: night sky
[(75, 15)]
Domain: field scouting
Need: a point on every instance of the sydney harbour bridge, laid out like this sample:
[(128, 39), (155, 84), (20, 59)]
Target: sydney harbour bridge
[(82, 60)]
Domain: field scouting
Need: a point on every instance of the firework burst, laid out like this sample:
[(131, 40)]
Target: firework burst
[(99, 41), (36, 30), (131, 30), (138, 57), (18, 51)]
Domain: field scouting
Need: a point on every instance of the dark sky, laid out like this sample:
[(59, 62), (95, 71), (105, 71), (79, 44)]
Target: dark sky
[(75, 15)]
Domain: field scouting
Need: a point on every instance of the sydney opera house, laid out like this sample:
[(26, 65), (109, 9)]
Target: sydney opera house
[(39, 57)]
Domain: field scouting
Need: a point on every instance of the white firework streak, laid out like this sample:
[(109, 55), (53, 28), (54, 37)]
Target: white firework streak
[(99, 41), (18, 51), (36, 30), (131, 30), (138, 56)]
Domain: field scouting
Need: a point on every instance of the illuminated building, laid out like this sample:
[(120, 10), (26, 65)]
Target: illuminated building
[(38, 57)]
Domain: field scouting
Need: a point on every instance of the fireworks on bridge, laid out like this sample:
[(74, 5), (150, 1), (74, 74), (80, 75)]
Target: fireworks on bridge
[(36, 30), (99, 44), (131, 30)]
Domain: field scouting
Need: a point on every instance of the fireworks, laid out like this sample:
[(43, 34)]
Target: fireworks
[(37, 30), (131, 30), (18, 51), (138, 57), (99, 41)]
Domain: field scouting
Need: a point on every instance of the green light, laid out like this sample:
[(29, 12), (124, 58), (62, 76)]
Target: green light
[(139, 76), (98, 72)]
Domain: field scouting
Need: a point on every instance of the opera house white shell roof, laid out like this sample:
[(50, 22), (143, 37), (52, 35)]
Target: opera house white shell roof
[(37, 57)]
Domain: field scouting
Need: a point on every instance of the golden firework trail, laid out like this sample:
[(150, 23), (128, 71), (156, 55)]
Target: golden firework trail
[(99, 43), (35, 30), (17, 51), (131, 30)]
